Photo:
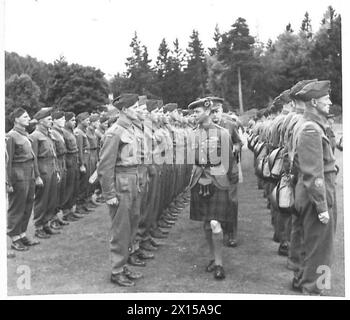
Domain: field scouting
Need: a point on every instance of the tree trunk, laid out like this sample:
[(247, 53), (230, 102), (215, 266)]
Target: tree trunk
[(240, 99)]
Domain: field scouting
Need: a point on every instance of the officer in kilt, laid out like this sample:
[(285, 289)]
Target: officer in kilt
[(210, 184)]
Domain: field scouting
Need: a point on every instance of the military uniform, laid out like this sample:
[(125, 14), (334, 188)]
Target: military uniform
[(20, 173), (118, 174), (61, 151), (219, 205), (93, 156), (72, 166), (83, 160), (46, 167), (314, 192), (231, 228)]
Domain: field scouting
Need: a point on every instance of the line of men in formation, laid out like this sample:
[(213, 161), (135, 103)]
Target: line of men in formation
[(135, 152), (294, 161), (51, 170), (48, 171)]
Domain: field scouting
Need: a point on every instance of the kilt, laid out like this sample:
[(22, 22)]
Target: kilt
[(219, 206)]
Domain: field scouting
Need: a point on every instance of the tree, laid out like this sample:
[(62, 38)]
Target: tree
[(236, 51), (139, 71), (289, 28), (326, 53), (162, 62), (21, 91), (195, 72), (306, 27), (76, 88), (37, 70), (216, 38)]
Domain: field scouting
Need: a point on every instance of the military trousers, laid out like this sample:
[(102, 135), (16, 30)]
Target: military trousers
[(314, 274), (92, 163), (142, 181), (148, 218), (231, 227), (45, 202), (71, 182), (124, 216), (83, 188), (62, 184), (295, 247), (21, 200)]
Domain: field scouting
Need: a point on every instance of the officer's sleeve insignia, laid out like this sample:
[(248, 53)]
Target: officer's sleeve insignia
[(319, 183)]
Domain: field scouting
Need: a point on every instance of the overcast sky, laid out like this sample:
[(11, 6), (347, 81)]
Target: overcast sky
[(98, 32)]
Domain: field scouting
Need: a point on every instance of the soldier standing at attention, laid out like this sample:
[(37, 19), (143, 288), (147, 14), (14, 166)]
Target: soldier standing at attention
[(83, 160), (72, 165), (57, 132), (20, 181), (211, 181), (118, 174), (315, 198), (93, 157), (46, 174), (100, 131), (230, 229)]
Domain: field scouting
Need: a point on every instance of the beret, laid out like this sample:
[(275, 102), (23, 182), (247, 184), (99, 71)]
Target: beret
[(94, 117), (16, 113), (151, 104), (104, 118), (284, 97), (82, 116), (160, 103), (200, 103), (58, 114), (169, 107), (142, 100), (298, 86), (69, 115), (314, 90), (125, 100), (43, 113), (216, 99)]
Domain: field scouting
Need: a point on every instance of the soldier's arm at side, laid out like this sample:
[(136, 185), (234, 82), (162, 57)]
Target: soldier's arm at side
[(35, 146), (9, 150), (310, 158), (106, 165), (79, 139)]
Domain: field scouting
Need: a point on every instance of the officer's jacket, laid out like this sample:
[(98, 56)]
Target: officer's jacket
[(93, 142), (60, 144), (118, 150), (284, 127), (232, 129), (83, 145), (144, 142), (291, 130), (151, 142), (44, 148), (18, 149), (315, 163), (70, 140), (99, 132), (213, 156)]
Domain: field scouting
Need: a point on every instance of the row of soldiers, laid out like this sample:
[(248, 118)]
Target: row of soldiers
[(48, 170), (294, 147), (144, 169)]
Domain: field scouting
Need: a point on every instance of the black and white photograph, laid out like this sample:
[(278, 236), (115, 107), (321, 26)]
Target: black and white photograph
[(173, 149)]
